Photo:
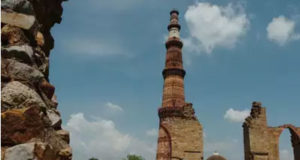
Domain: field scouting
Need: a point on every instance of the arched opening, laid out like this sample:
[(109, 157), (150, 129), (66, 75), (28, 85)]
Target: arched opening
[(164, 148), (289, 135), (285, 146)]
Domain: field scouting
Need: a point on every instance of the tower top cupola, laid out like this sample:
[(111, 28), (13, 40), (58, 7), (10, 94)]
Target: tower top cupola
[(174, 11), (174, 24)]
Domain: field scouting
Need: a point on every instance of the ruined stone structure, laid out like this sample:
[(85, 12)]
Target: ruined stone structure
[(180, 133), (261, 142), (31, 123)]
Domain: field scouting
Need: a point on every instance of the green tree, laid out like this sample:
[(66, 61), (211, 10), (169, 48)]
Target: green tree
[(133, 157), (93, 158)]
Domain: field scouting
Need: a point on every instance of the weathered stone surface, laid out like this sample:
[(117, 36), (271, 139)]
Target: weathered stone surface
[(261, 141), (20, 152), (23, 53), (17, 19), (21, 6), (54, 117), (54, 101), (44, 151), (54, 139), (65, 135), (42, 61), (65, 154), (180, 137), (47, 88), (28, 104), (20, 125), (3, 152), (12, 35), (21, 72), (18, 95), (39, 39)]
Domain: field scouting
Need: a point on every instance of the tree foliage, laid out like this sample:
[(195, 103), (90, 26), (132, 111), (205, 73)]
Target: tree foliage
[(133, 157)]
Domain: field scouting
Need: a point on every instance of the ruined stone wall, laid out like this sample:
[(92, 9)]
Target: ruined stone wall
[(30, 121), (180, 134), (296, 144), (261, 142)]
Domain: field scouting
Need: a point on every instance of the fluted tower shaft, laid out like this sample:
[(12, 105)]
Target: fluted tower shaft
[(173, 73), (180, 133)]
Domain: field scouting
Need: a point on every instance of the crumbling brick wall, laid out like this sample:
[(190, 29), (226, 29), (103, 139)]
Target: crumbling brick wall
[(31, 123), (180, 134), (261, 142)]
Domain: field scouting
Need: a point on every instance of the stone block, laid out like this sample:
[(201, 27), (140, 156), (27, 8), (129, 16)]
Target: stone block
[(39, 38), (23, 21), (54, 118), (20, 152), (47, 88), (18, 95), (21, 6), (21, 125), (21, 72), (44, 151), (23, 53), (65, 154), (12, 35), (65, 135)]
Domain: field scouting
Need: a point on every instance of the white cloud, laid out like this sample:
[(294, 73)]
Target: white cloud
[(282, 30), (101, 139), (152, 132), (212, 26), (236, 115), (286, 155), (113, 107)]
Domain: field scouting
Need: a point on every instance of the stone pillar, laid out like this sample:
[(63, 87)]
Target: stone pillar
[(295, 139), (31, 123), (256, 126), (296, 148)]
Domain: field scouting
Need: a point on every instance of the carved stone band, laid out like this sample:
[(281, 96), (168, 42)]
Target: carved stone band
[(174, 42), (174, 25), (173, 71)]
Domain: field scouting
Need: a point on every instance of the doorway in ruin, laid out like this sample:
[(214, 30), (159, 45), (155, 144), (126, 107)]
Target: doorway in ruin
[(164, 147), (285, 146), (289, 143)]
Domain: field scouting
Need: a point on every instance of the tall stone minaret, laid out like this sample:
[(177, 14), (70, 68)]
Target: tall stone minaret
[(180, 133)]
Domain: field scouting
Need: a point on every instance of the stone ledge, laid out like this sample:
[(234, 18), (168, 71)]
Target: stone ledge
[(186, 112)]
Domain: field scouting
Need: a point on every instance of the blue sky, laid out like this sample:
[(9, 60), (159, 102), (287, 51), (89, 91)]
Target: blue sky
[(109, 54)]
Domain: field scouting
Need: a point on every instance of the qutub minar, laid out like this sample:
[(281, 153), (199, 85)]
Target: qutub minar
[(180, 133)]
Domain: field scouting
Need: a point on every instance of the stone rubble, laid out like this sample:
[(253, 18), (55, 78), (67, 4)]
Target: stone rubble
[(31, 123)]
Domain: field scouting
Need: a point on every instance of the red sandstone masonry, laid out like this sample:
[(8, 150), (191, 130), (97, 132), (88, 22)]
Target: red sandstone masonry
[(180, 133)]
